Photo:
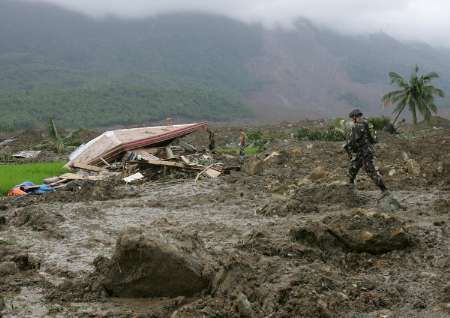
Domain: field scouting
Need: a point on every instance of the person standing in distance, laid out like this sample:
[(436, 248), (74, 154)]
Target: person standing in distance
[(360, 149)]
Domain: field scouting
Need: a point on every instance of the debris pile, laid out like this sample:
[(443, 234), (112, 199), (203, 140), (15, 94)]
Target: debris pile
[(142, 152), (136, 154)]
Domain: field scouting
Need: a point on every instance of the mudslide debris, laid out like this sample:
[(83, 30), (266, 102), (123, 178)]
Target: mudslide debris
[(148, 263)]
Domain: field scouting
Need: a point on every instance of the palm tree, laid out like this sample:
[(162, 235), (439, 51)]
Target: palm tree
[(418, 94)]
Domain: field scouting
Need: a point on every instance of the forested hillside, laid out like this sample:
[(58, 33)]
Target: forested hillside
[(58, 63), (100, 72)]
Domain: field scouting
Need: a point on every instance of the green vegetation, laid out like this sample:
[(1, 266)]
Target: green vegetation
[(122, 73), (106, 106), (329, 134), (55, 139), (418, 94), (11, 175), (378, 123), (258, 140)]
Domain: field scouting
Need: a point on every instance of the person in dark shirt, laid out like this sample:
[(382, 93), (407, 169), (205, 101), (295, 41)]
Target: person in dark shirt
[(360, 148), (212, 140), (242, 143)]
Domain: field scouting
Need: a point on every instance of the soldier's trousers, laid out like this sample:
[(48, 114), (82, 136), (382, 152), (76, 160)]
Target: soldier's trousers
[(365, 159)]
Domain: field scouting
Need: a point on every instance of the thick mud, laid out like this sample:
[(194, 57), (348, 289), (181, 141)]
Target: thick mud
[(291, 240)]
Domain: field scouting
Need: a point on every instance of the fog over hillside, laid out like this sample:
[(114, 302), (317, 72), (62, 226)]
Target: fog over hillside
[(417, 20), (61, 63)]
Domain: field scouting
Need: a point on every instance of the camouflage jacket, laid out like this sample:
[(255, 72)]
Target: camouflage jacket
[(360, 138)]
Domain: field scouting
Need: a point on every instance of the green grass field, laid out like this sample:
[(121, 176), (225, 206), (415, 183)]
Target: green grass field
[(11, 175)]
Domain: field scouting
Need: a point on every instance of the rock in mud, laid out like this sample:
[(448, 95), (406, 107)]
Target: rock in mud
[(8, 268), (413, 167), (253, 166), (359, 232), (149, 263), (389, 204), (316, 234), (373, 233), (318, 173)]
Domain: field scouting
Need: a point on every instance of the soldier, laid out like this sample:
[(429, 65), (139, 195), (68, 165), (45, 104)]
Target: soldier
[(360, 148), (212, 141), (242, 143)]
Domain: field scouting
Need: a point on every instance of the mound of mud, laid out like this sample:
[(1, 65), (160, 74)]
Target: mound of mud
[(330, 195), (373, 233), (262, 242), (242, 290), (38, 219), (149, 263), (308, 198), (316, 234), (13, 260), (369, 232), (291, 206), (92, 191)]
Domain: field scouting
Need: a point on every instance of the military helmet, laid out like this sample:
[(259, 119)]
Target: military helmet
[(355, 113)]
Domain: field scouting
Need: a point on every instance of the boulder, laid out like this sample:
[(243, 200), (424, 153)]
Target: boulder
[(315, 234), (253, 166), (369, 232), (149, 263), (389, 204)]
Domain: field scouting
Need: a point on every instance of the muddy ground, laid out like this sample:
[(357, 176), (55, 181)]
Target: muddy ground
[(282, 238)]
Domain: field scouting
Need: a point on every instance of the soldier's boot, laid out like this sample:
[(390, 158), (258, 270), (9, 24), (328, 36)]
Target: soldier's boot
[(383, 189), (352, 184)]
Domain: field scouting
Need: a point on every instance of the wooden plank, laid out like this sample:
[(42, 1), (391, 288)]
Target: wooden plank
[(212, 173), (169, 153), (166, 163), (74, 176), (84, 166), (145, 155), (105, 162), (187, 161)]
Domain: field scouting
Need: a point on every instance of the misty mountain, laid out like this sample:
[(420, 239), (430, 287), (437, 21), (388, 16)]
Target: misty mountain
[(89, 72)]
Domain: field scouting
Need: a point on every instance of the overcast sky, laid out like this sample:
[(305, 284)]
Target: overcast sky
[(421, 20)]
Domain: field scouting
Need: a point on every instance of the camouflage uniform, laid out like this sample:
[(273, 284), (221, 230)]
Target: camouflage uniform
[(360, 146)]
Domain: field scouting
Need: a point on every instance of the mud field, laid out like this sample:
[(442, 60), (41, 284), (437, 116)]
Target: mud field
[(284, 237)]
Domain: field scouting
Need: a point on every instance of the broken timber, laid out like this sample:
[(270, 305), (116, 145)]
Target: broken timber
[(110, 145)]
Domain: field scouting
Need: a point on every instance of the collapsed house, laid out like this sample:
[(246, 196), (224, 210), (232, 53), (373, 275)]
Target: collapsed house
[(110, 145), (135, 154), (128, 150)]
